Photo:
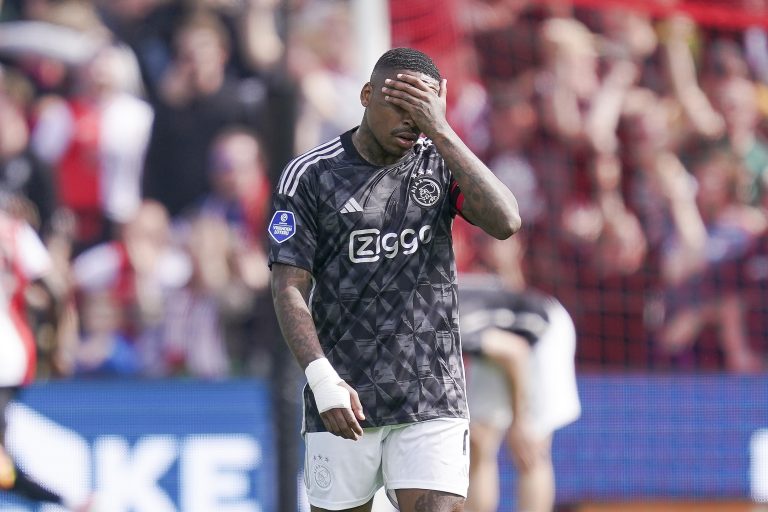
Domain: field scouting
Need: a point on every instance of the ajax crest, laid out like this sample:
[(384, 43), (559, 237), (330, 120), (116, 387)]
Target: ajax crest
[(322, 473), (282, 226), (425, 191)]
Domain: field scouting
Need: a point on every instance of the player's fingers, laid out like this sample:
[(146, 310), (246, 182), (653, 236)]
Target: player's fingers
[(420, 89), (412, 82), (352, 424), (339, 425), (405, 105), (357, 407), (348, 424), (394, 94), (329, 419), (405, 89), (338, 417)]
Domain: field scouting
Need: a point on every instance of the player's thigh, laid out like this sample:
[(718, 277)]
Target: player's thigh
[(362, 508), (430, 456), (342, 474), (428, 500)]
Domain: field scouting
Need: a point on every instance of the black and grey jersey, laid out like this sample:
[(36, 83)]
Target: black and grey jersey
[(486, 304), (377, 241)]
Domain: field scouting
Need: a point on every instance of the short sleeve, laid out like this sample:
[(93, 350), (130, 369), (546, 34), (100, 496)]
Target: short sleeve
[(293, 226)]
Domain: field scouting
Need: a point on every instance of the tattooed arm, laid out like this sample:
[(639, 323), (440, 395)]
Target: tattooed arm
[(488, 203), (291, 287)]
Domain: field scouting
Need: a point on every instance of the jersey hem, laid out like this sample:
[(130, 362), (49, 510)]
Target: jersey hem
[(419, 419)]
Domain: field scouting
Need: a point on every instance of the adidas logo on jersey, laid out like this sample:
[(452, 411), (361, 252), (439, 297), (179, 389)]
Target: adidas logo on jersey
[(351, 206)]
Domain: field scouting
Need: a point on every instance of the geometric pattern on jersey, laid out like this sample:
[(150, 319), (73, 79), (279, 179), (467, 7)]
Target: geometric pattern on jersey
[(486, 304), (377, 240)]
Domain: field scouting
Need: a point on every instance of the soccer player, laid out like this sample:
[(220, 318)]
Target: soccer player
[(23, 261), (521, 384), (364, 286)]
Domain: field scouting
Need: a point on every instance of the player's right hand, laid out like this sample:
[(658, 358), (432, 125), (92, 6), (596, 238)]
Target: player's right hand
[(343, 421), (422, 97)]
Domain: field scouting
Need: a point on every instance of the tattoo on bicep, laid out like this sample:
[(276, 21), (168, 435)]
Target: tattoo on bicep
[(438, 501)]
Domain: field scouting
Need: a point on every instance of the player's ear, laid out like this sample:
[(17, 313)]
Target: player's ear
[(366, 93)]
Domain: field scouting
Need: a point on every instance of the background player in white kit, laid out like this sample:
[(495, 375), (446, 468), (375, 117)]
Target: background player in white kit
[(364, 285), (521, 385)]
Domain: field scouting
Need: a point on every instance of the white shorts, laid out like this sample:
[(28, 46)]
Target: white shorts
[(340, 473), (554, 397)]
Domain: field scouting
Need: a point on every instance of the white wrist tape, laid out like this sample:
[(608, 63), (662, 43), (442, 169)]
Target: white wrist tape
[(324, 382)]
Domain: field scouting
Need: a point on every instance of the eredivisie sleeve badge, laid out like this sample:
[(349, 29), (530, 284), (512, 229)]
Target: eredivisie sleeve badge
[(282, 226)]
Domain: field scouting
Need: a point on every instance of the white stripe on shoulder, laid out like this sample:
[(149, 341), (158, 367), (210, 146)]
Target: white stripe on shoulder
[(290, 169), (305, 166)]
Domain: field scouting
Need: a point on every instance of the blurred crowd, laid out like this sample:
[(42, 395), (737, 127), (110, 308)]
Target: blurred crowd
[(141, 139), (636, 142)]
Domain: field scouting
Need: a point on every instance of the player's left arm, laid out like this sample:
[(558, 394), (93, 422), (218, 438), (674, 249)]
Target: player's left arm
[(488, 203)]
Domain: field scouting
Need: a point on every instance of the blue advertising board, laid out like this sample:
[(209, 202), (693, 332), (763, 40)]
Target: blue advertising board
[(166, 446), (670, 437), (148, 446)]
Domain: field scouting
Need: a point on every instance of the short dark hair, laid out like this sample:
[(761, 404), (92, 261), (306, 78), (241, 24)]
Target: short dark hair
[(407, 59)]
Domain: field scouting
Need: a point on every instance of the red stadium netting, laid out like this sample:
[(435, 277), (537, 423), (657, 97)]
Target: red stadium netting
[(627, 314)]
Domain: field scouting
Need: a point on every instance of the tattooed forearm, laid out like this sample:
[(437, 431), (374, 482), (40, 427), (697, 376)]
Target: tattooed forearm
[(290, 291), (488, 203), (438, 501)]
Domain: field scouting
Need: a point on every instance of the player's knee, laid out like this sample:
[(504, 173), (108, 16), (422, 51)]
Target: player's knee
[(484, 439), (541, 463)]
